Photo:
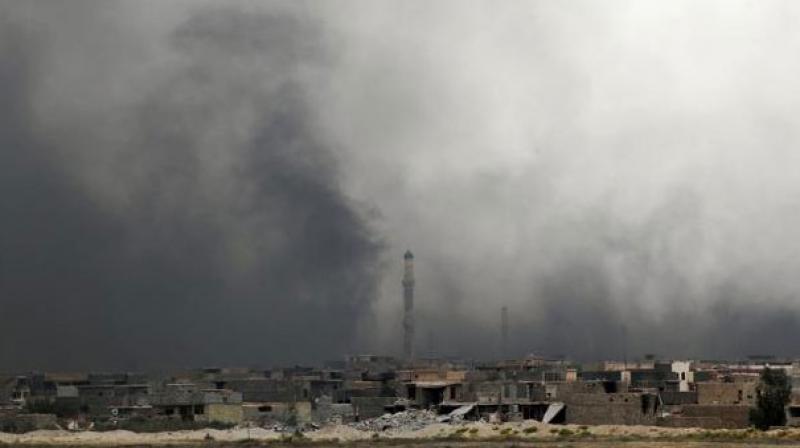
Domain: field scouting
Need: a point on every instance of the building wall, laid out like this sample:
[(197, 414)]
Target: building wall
[(618, 366), (456, 375), (611, 409), (427, 375), (709, 416), (268, 390), (100, 399), (371, 407), (602, 375), (793, 415), (678, 398), (265, 413), (330, 388), (491, 392), (457, 392), (571, 375), (327, 412), (365, 389), (7, 385), (26, 422), (303, 411), (659, 378), (685, 374), (563, 391), (224, 413), (726, 393)]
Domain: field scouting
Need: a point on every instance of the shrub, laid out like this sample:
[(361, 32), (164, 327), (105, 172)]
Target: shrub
[(772, 395)]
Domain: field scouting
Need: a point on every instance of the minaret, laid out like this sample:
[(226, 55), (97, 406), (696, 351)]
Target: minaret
[(504, 331), (408, 306)]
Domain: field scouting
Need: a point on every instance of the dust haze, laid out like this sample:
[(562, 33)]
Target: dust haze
[(209, 183)]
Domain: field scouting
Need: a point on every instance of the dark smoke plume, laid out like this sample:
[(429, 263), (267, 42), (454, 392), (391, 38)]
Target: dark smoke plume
[(188, 183), (229, 240)]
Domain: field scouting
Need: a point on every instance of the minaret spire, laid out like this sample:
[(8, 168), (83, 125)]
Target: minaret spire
[(408, 306), (504, 331)]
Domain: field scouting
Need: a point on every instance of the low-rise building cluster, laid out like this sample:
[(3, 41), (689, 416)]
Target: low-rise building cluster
[(365, 391)]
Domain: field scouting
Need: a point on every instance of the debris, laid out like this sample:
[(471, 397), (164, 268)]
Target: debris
[(552, 412), (457, 415), (410, 420)]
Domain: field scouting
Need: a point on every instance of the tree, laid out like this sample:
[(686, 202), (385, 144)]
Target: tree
[(772, 395)]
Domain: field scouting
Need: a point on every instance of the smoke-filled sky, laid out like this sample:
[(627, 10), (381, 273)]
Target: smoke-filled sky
[(235, 183)]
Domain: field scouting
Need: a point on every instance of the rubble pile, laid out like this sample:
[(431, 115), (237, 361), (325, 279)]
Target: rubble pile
[(410, 420)]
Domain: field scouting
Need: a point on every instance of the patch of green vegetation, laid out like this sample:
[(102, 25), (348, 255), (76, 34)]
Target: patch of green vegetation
[(473, 430), (739, 435), (530, 430), (296, 437), (565, 432), (708, 434), (772, 395)]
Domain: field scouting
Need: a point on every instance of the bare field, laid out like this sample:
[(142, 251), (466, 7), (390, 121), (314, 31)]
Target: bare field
[(475, 434), (469, 444)]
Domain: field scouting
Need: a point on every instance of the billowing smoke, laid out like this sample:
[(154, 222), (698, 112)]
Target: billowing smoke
[(195, 221), (620, 176), (236, 182)]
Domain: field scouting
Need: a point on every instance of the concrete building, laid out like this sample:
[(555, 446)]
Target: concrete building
[(683, 369), (101, 399), (188, 402), (741, 393), (612, 408), (367, 386)]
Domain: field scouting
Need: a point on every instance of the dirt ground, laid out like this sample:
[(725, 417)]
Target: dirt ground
[(476, 434), (474, 444)]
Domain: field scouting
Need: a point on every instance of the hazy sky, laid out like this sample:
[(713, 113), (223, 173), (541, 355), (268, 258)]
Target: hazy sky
[(198, 183)]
